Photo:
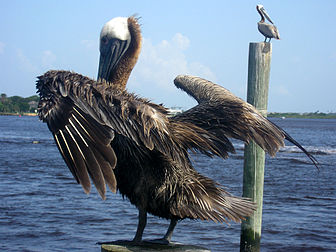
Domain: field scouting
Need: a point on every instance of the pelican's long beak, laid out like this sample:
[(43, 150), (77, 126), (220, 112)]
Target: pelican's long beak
[(262, 9), (110, 55)]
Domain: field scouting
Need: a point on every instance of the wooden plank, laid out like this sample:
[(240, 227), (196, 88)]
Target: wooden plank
[(125, 246)]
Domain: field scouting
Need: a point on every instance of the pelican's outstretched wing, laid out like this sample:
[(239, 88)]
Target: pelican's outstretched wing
[(84, 117), (225, 115), (84, 121)]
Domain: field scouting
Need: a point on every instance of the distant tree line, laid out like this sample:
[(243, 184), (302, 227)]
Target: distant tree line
[(17, 104), (315, 115)]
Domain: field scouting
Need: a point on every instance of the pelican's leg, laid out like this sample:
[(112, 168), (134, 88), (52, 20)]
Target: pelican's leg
[(265, 39), (141, 226), (167, 237), (170, 230)]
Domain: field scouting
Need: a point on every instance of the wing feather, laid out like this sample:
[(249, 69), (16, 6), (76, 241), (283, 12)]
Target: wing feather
[(225, 115), (85, 116), (78, 167), (87, 162)]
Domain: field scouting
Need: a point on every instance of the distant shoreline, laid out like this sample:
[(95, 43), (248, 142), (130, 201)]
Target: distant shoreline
[(17, 114), (315, 115)]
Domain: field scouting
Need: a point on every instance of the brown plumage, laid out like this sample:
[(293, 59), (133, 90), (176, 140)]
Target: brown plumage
[(131, 145), (116, 138)]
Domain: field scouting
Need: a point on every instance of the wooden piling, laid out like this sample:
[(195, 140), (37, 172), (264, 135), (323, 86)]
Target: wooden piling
[(254, 157)]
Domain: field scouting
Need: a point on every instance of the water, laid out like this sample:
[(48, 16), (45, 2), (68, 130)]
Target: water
[(43, 209)]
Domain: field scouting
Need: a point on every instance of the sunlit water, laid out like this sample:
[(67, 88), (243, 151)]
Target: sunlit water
[(43, 209)]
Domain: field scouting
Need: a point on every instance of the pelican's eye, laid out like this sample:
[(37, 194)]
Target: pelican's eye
[(104, 40)]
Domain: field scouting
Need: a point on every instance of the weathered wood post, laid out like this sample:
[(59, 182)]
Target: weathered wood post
[(254, 157)]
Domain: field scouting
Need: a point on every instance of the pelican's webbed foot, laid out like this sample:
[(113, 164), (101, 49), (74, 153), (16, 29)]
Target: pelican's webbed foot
[(162, 241), (121, 242)]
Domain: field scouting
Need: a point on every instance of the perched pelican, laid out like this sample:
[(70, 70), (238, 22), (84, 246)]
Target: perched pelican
[(129, 144), (268, 30)]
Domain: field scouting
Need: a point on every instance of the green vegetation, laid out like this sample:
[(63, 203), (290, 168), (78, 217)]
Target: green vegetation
[(311, 115), (17, 104)]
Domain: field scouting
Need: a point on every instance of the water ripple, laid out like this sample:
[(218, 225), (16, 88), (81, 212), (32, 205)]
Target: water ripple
[(42, 207)]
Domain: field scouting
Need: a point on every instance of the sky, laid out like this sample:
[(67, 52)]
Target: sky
[(209, 39)]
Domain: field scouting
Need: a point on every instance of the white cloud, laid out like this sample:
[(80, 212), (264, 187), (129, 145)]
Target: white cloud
[(159, 64), (24, 62), (333, 56), (90, 44), (36, 65), (48, 58), (281, 90), (181, 41), (2, 47)]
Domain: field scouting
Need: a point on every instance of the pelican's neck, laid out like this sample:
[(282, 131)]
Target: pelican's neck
[(261, 15), (126, 64)]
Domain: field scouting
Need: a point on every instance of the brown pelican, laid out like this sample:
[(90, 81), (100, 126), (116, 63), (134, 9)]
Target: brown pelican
[(268, 30), (114, 137)]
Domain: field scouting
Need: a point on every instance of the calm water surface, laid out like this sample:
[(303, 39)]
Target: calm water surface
[(43, 209)]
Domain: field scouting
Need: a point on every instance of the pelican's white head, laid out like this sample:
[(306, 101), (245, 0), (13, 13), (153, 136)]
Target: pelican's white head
[(120, 43), (116, 28), (115, 39)]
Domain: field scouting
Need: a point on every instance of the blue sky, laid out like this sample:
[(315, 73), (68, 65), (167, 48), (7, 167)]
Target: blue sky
[(205, 38)]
